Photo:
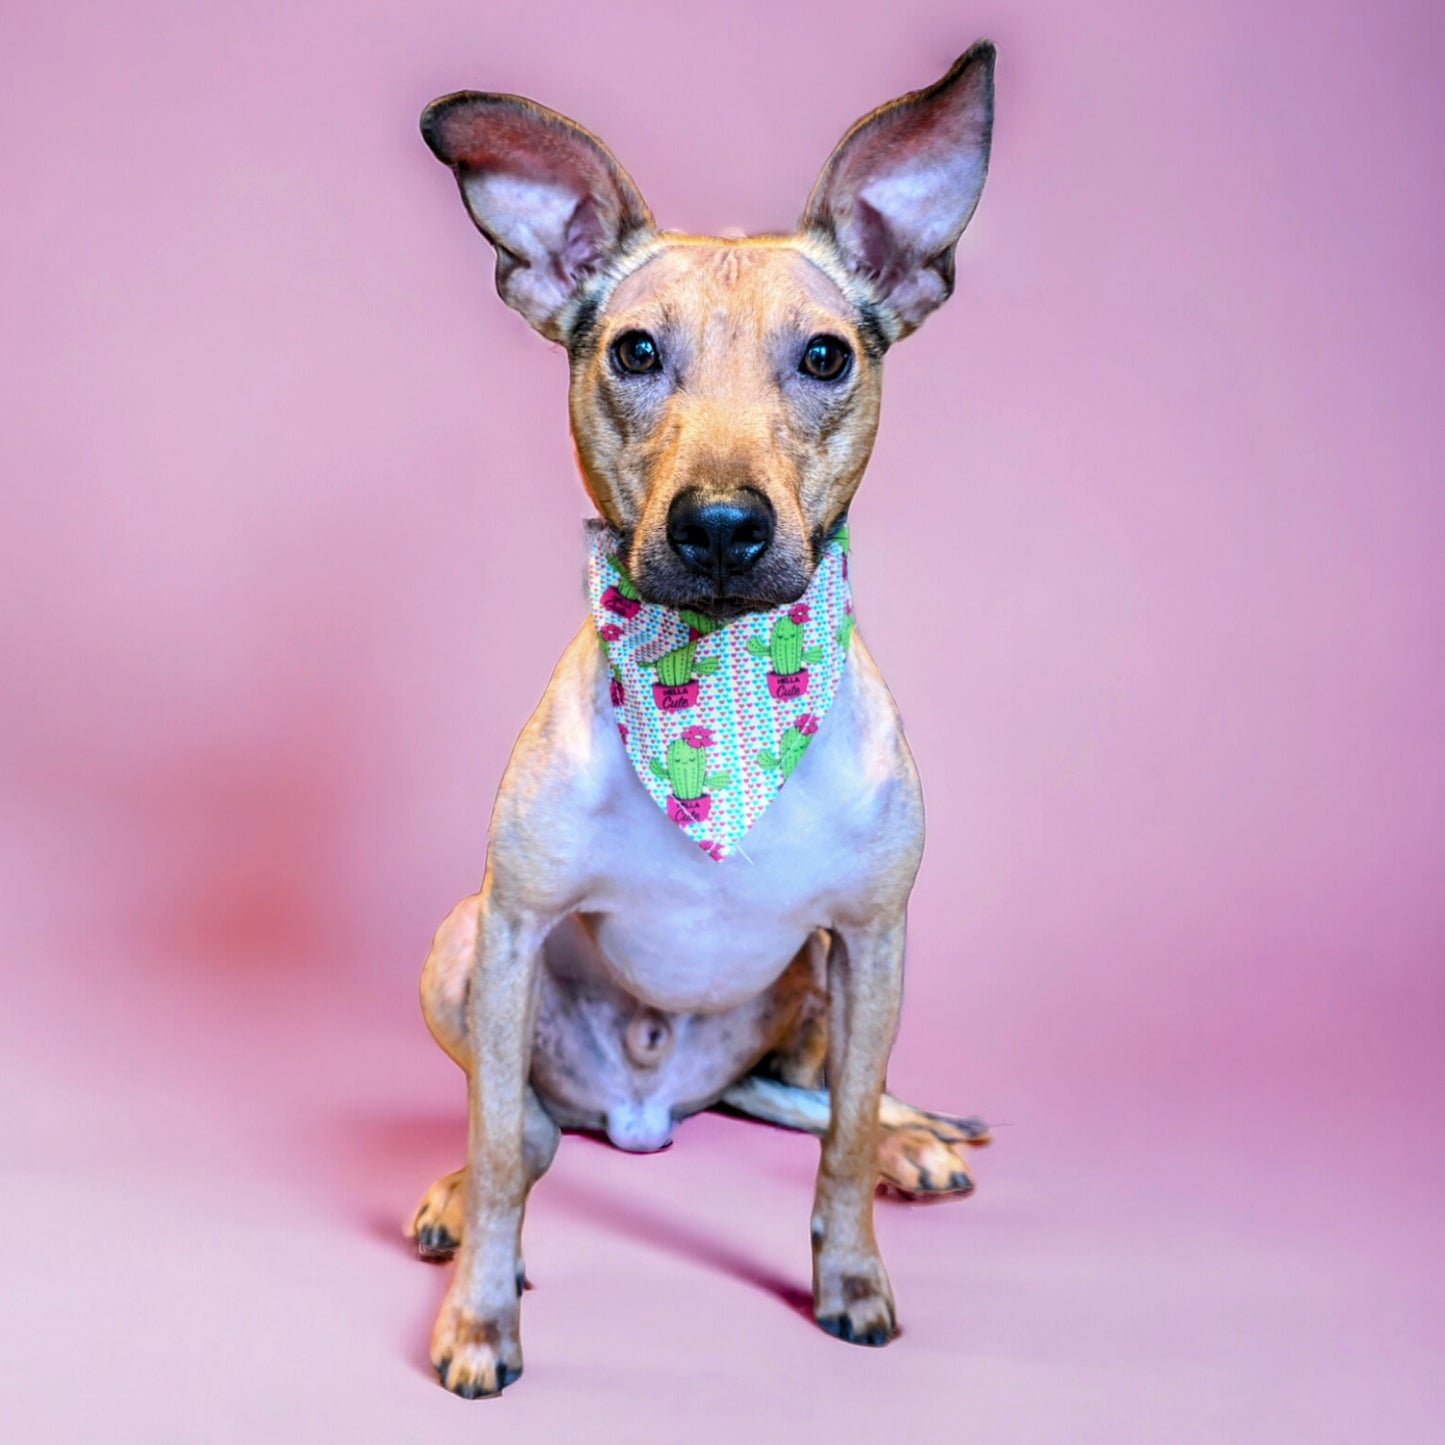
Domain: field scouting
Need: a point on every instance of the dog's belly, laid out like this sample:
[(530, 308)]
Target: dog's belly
[(603, 1058), (686, 960)]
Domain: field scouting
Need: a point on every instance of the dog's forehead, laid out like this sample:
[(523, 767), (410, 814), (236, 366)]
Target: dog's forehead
[(755, 272)]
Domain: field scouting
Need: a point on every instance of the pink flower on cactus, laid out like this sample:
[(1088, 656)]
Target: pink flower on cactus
[(610, 632), (798, 613), (696, 737), (713, 850), (806, 724)]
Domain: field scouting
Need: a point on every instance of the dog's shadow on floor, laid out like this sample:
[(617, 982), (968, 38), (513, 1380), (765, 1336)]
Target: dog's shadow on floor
[(635, 1219), (405, 1150)]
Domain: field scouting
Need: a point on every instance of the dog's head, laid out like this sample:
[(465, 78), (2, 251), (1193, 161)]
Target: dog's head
[(724, 393)]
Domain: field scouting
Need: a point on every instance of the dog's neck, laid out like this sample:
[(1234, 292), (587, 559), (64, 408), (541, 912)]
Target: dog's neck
[(715, 715)]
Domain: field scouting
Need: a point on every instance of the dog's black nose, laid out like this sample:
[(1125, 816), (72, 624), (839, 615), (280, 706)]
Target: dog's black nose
[(720, 536)]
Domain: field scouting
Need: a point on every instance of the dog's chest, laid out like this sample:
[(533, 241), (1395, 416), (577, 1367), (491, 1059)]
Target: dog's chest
[(686, 933)]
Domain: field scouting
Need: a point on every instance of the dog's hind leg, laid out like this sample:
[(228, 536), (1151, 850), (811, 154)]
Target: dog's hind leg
[(919, 1152), (436, 1225)]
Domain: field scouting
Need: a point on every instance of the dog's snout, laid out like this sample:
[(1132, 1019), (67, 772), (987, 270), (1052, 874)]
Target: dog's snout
[(720, 537)]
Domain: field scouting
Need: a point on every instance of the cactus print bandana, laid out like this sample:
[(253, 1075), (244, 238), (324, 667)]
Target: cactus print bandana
[(716, 715)]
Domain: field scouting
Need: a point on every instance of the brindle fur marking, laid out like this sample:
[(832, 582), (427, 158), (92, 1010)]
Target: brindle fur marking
[(771, 981)]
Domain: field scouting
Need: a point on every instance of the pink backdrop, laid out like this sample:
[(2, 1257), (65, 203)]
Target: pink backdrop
[(1150, 552)]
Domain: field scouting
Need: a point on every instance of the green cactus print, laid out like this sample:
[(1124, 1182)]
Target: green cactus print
[(791, 747), (844, 541), (695, 620), (624, 581), (678, 667), (786, 649), (845, 631), (606, 636), (686, 770)]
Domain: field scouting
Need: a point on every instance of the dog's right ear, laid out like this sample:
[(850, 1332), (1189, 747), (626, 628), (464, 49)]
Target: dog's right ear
[(546, 193)]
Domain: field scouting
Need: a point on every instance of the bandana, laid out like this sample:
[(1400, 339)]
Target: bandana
[(716, 715)]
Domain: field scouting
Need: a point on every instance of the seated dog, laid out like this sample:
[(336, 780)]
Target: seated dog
[(717, 735)]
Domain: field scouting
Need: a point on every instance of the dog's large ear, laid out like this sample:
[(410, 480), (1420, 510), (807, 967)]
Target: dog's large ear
[(902, 184), (545, 192)]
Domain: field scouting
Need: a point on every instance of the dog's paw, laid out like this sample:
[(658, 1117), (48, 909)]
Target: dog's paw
[(475, 1356), (436, 1227), (855, 1305), (952, 1128), (918, 1163)]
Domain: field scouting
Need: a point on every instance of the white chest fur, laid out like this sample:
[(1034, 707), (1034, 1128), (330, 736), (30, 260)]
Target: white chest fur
[(677, 929)]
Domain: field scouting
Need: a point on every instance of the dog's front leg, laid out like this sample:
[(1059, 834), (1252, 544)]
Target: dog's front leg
[(851, 1294), (476, 1347)]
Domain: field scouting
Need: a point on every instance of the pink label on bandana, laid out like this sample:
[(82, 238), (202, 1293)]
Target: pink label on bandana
[(716, 715)]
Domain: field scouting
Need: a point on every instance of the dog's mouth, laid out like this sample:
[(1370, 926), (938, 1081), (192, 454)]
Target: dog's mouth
[(778, 579), (729, 609), (724, 607)]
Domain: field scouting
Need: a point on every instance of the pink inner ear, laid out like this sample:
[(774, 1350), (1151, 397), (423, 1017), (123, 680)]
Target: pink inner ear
[(532, 216), (584, 241), (547, 194), (533, 160), (901, 187)]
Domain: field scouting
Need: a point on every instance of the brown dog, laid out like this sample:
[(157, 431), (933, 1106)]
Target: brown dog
[(724, 401)]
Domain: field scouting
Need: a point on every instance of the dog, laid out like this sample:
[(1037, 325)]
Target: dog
[(724, 400)]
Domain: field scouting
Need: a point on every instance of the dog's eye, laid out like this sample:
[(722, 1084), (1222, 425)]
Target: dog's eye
[(636, 353), (826, 357)]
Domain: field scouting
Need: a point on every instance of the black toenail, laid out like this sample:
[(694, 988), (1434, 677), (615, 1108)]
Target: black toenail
[(961, 1182), (435, 1242)]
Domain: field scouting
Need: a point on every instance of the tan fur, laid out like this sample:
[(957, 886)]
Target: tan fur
[(731, 300), (554, 987)]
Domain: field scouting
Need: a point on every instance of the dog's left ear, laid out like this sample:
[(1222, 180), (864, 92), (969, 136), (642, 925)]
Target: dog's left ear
[(547, 194), (902, 184)]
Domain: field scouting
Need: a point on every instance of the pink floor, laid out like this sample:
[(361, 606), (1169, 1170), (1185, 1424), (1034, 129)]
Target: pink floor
[(198, 1249)]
